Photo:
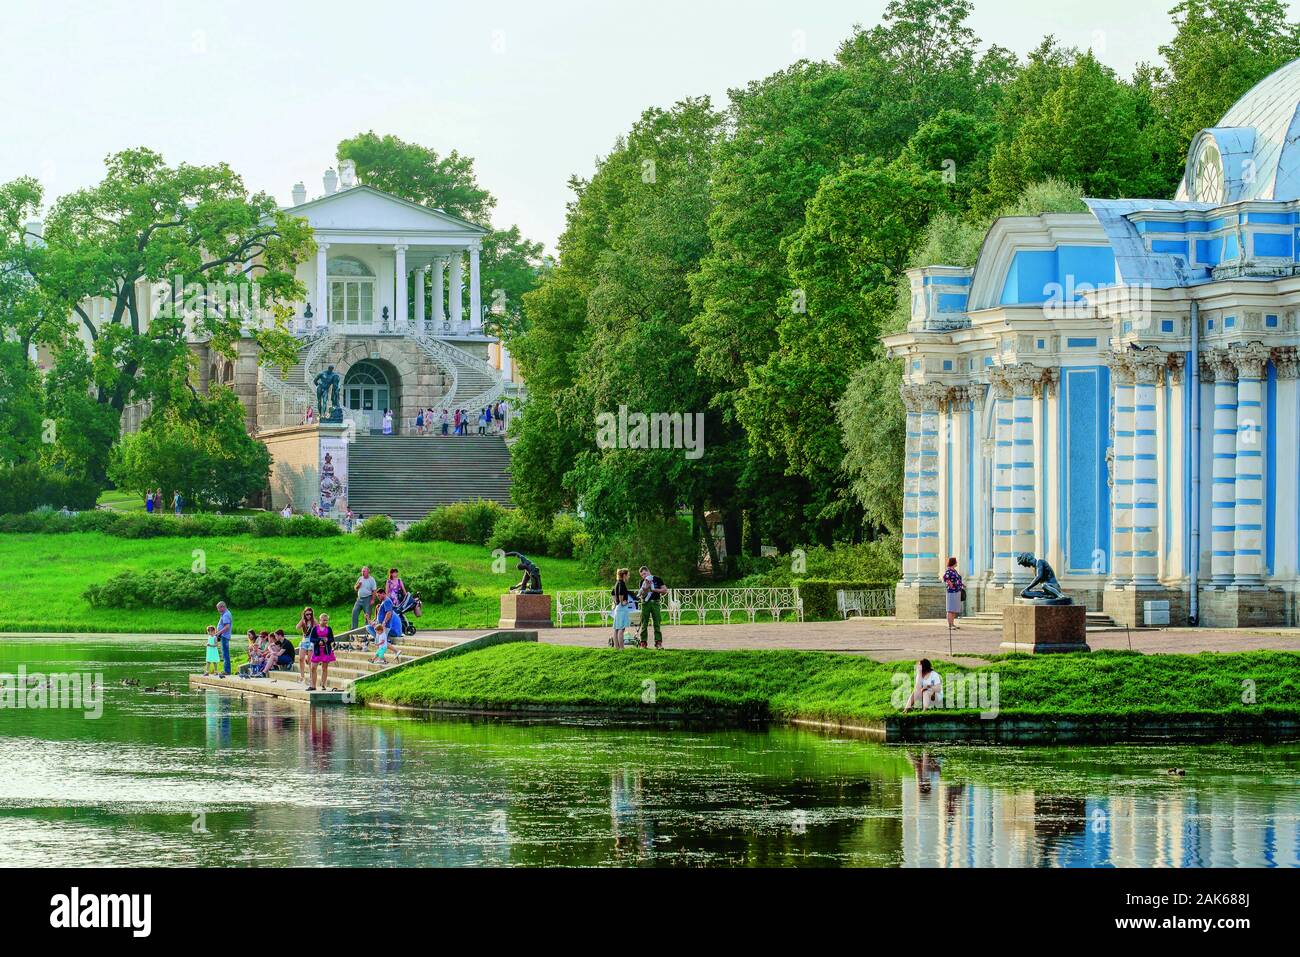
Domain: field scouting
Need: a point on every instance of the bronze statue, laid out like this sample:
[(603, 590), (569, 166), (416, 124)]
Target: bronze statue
[(531, 583), (1044, 587), (326, 382)]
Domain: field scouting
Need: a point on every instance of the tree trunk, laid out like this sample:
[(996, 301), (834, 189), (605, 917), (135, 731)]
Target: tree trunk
[(702, 528)]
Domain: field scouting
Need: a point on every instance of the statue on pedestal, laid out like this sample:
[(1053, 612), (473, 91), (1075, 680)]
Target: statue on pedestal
[(531, 583), (1044, 589), (327, 384)]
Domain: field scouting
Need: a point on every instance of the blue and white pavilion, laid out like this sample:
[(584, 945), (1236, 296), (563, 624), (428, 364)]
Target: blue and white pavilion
[(1116, 390)]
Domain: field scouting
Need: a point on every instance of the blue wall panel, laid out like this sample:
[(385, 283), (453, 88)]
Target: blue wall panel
[(1085, 495)]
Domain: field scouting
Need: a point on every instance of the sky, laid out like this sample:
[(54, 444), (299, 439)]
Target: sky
[(535, 92)]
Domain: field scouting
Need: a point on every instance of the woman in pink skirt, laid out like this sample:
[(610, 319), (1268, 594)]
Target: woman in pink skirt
[(322, 652)]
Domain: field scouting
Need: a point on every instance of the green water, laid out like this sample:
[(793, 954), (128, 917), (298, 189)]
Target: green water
[(210, 779)]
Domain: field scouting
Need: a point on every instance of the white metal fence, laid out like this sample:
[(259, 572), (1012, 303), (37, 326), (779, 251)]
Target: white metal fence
[(722, 604)]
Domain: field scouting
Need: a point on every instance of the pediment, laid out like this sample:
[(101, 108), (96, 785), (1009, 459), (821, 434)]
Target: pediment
[(366, 209)]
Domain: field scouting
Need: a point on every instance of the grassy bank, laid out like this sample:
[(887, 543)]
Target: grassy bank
[(46, 574), (841, 688)]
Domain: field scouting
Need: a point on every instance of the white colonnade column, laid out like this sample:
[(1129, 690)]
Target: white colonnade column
[(1003, 478), (439, 291), (321, 312), (1223, 494), (420, 275), (1251, 465), (1121, 498), (1145, 514), (399, 275), (475, 294), (455, 295), (929, 561)]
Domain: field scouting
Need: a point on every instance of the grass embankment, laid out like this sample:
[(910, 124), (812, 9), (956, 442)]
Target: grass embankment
[(783, 685), (44, 576)]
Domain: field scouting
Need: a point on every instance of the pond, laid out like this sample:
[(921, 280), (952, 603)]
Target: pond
[(167, 776)]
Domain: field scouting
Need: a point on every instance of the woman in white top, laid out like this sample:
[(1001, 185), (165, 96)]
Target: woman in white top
[(928, 689), (388, 422)]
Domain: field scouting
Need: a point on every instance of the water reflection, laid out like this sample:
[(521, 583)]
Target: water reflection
[(210, 779)]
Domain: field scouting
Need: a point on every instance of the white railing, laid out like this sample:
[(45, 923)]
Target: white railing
[(723, 603), (867, 604)]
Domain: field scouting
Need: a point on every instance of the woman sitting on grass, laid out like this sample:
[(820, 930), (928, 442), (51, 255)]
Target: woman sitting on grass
[(322, 652), (928, 689)]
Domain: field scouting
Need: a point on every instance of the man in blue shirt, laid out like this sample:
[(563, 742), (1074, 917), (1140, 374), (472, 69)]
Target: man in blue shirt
[(223, 633), (389, 616)]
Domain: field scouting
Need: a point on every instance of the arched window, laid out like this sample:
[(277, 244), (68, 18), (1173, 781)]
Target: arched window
[(365, 388), (352, 291)]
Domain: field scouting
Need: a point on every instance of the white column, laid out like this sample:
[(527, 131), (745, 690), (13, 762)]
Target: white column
[(1251, 462), (506, 372), (929, 563), (1003, 459), (321, 312), (1223, 493), (439, 284), (455, 295), (1023, 470), (1121, 498), (475, 294), (420, 275), (399, 269), (1145, 539)]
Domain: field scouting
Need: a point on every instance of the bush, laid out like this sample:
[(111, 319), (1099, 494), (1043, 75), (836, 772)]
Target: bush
[(26, 487), (468, 523), (563, 538), (819, 595), (377, 527), (143, 525), (309, 526), (267, 582), (515, 532), (878, 561), (268, 525), (667, 546)]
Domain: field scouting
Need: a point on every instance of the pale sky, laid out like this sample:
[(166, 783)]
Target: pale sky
[(533, 91)]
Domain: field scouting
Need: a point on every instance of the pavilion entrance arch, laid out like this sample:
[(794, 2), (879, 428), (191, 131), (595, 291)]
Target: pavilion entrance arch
[(369, 387)]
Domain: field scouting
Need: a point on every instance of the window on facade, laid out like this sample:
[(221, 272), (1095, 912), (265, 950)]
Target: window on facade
[(1207, 176), (352, 292)]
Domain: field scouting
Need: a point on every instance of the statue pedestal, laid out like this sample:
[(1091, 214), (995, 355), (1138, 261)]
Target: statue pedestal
[(525, 611), (1041, 629)]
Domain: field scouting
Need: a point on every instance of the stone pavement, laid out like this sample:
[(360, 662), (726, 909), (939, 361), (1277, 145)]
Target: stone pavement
[(887, 640)]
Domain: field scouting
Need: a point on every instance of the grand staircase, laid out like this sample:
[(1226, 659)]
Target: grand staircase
[(407, 476)]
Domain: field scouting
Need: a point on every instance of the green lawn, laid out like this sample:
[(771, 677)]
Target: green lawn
[(815, 685), (46, 574), (120, 501)]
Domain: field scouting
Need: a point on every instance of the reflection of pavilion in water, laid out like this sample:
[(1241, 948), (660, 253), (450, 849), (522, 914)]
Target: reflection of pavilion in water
[(948, 824)]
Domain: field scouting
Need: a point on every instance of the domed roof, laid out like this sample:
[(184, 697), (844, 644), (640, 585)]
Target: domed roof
[(1253, 149)]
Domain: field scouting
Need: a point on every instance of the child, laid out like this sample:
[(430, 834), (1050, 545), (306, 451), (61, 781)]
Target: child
[(381, 644), (214, 651)]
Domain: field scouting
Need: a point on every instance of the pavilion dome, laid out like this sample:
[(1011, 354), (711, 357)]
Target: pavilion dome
[(1254, 151)]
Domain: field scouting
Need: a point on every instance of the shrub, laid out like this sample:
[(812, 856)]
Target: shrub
[(435, 584), (26, 487), (667, 546), (267, 582), (515, 532), (562, 539), (819, 595), (268, 525), (877, 561), (98, 520), (143, 525), (309, 526), (377, 527), (468, 523)]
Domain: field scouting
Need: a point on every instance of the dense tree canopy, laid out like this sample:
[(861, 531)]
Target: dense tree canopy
[(755, 277)]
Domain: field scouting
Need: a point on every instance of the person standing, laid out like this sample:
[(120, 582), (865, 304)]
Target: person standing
[(622, 608), (956, 591), (176, 502), (365, 588), (148, 502), (652, 592), (388, 421), (444, 418), (224, 624), (322, 652), (307, 628)]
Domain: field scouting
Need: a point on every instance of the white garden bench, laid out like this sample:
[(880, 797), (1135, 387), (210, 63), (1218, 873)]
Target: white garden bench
[(867, 604), (726, 602)]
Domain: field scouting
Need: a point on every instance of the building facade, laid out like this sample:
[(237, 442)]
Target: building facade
[(1116, 391)]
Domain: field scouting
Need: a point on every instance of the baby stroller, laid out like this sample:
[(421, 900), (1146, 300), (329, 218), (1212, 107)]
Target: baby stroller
[(409, 610)]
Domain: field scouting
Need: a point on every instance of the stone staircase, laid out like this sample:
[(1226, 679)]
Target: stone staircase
[(992, 620), (407, 476)]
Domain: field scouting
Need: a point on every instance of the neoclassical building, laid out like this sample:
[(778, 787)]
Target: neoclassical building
[(1116, 390)]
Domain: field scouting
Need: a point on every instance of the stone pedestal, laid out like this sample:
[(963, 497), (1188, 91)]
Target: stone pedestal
[(914, 601), (525, 611), (1127, 605), (1242, 608), (1044, 629)]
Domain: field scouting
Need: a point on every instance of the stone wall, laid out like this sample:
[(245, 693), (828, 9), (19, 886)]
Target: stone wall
[(295, 466)]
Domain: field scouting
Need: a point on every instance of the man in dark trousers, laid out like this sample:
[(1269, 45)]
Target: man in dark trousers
[(650, 597)]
